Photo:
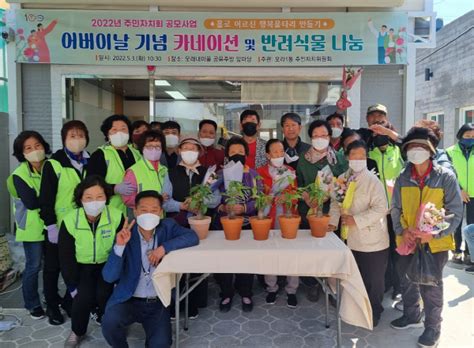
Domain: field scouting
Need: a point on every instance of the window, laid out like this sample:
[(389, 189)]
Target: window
[(437, 117), (467, 115)]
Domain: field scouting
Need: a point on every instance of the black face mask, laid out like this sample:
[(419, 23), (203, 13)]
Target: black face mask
[(237, 158), (381, 140), (249, 129)]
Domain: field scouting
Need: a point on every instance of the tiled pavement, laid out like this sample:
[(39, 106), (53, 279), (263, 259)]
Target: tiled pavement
[(270, 325)]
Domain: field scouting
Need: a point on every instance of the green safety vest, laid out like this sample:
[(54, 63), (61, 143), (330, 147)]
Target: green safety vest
[(116, 171), (147, 177), (389, 164), (29, 225), (464, 168), (68, 179), (93, 247)]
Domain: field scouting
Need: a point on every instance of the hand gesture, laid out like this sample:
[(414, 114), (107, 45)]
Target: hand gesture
[(155, 256), (124, 235), (409, 236), (348, 220)]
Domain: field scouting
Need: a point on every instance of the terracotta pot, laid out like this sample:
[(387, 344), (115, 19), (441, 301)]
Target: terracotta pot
[(260, 227), (289, 226), (200, 226), (318, 225), (232, 227)]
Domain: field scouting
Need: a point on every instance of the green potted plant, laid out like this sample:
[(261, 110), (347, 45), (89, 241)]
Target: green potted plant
[(289, 222), (261, 224), (199, 196), (318, 222), (232, 224)]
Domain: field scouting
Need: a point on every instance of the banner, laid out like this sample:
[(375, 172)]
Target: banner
[(209, 39)]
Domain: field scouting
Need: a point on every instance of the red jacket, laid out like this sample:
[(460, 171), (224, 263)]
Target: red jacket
[(212, 156), (267, 187)]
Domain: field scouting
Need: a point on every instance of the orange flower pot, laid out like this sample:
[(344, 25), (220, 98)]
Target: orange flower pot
[(289, 226), (318, 225), (260, 227), (200, 226), (232, 227)]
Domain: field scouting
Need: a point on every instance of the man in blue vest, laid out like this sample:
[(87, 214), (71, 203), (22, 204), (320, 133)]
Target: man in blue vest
[(137, 251)]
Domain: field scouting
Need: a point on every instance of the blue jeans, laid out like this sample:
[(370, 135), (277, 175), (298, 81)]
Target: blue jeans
[(33, 255), (468, 233), (381, 55), (154, 318)]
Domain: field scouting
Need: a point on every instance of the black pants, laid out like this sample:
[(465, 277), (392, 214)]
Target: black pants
[(51, 273), (197, 297), (469, 209), (392, 279), (92, 290), (372, 267), (432, 295), (243, 284)]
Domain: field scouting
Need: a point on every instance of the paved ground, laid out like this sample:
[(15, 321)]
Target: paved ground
[(269, 326)]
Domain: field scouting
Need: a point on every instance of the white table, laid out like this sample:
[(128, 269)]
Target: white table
[(323, 258)]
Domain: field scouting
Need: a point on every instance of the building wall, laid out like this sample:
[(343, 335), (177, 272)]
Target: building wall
[(452, 85)]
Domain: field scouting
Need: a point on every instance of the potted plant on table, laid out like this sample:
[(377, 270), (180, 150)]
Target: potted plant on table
[(232, 224), (289, 222), (199, 196), (261, 224), (318, 222)]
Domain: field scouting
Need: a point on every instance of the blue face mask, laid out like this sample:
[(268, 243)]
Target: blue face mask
[(467, 142)]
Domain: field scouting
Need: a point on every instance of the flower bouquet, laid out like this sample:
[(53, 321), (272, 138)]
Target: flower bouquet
[(429, 220), (343, 193)]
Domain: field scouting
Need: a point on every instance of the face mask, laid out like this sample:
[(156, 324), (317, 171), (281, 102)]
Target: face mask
[(320, 143), (381, 140), (189, 157), (151, 155), (237, 158), (93, 208), (76, 145), (249, 129), (277, 162), (291, 159), (467, 142), (35, 156), (206, 141), (119, 139), (148, 221), (357, 165), (418, 155), (336, 132), (171, 140)]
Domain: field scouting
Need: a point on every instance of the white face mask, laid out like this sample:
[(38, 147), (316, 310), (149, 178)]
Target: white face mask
[(357, 165), (207, 141), (171, 140), (277, 162), (119, 139), (76, 145), (189, 157), (336, 132), (148, 221), (320, 143), (35, 156), (93, 208), (418, 155)]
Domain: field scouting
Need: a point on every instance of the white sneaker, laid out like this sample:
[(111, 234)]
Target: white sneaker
[(73, 340)]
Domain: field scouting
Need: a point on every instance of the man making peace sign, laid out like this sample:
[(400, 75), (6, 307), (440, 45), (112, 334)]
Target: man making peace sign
[(138, 249)]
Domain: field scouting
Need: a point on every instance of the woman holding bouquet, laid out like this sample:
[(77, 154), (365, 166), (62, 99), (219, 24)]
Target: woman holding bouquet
[(423, 181), (366, 224)]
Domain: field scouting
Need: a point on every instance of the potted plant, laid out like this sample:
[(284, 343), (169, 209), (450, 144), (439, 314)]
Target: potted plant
[(318, 222), (261, 224), (199, 196), (289, 222), (232, 224)]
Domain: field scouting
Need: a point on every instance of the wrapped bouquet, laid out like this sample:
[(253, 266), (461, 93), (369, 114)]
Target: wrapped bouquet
[(343, 193)]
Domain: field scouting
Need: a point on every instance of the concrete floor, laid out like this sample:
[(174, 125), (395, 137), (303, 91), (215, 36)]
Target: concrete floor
[(268, 325)]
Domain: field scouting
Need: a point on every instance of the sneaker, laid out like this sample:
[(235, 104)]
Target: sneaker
[(470, 270), (73, 340), (193, 314), (37, 313), (457, 258), (291, 301), (271, 298), (403, 323), (247, 304), (398, 306), (429, 338), (54, 315), (225, 305)]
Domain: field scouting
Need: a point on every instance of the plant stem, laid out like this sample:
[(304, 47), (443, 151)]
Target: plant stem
[(261, 216)]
